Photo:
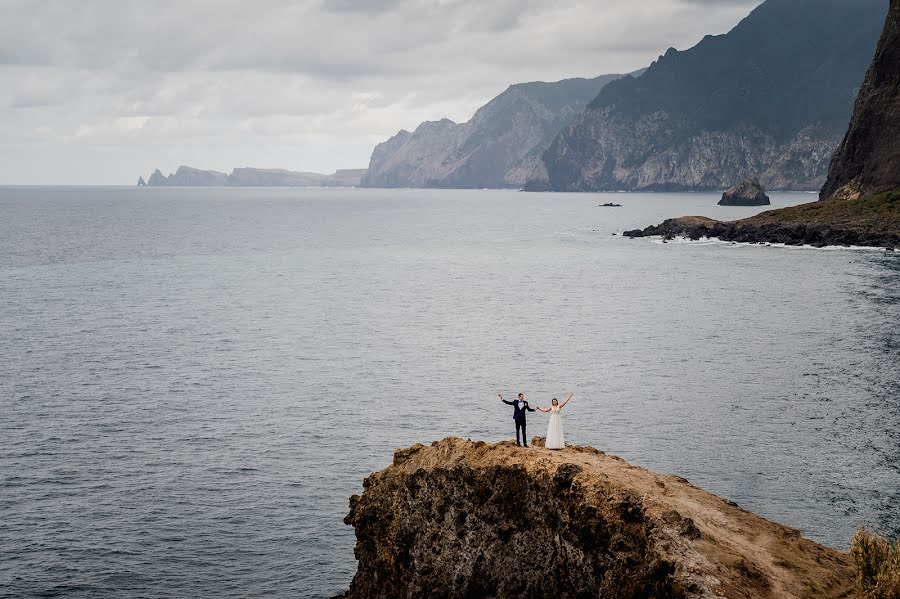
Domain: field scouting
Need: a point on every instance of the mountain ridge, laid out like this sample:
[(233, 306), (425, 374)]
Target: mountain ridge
[(726, 109), (498, 147)]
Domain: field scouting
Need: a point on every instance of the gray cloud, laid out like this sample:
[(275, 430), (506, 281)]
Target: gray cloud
[(104, 90)]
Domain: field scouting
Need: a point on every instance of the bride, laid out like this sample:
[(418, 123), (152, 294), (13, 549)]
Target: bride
[(555, 438)]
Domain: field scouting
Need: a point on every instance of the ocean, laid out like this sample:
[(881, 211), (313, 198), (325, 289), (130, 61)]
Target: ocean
[(193, 381)]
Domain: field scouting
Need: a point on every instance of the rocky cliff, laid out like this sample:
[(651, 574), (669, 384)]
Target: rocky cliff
[(772, 97), (255, 177), (472, 519), (498, 147), (868, 160)]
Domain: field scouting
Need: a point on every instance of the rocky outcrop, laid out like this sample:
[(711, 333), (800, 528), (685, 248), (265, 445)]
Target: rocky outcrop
[(141, 182), (157, 178), (868, 160), (499, 147), (473, 519), (256, 177), (188, 177), (871, 221), (772, 97), (747, 193)]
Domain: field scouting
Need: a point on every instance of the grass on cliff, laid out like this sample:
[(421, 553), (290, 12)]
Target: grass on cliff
[(877, 562), (873, 213)]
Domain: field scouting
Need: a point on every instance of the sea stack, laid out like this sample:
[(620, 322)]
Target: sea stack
[(747, 193), (868, 160), (474, 519), (141, 182)]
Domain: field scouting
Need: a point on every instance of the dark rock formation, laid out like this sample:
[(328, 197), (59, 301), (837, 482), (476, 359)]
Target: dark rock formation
[(868, 160), (141, 182), (772, 97), (610, 205), (498, 147), (747, 193), (871, 221), (464, 519)]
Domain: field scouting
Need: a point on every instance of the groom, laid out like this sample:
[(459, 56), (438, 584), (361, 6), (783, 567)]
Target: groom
[(520, 406)]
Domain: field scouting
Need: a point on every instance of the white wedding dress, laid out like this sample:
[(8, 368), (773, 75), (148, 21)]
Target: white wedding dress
[(555, 438)]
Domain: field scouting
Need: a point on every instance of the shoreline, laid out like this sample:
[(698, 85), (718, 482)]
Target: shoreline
[(872, 221)]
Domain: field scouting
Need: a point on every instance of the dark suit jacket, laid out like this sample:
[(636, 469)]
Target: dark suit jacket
[(519, 414)]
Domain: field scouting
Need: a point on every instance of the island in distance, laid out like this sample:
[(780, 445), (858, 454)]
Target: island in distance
[(187, 176)]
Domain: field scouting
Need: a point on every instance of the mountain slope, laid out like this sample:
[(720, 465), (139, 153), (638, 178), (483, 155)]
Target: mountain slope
[(498, 147), (868, 160), (770, 98)]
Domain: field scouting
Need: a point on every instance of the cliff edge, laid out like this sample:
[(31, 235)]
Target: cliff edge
[(474, 519), (868, 160)]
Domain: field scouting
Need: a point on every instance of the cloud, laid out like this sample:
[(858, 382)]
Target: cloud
[(110, 89)]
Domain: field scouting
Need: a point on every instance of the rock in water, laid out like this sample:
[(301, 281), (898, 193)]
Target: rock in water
[(141, 182), (473, 519), (747, 193), (868, 160)]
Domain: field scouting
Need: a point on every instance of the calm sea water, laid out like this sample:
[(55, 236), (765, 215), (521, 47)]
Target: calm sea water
[(194, 381)]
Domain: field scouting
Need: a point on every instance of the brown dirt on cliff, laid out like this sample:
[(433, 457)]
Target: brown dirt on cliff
[(457, 518)]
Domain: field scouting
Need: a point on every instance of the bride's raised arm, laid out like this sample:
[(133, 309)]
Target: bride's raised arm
[(567, 401)]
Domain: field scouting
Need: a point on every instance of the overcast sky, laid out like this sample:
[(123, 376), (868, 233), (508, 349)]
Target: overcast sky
[(101, 91)]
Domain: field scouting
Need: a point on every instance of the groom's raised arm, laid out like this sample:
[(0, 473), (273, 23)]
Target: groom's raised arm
[(509, 403)]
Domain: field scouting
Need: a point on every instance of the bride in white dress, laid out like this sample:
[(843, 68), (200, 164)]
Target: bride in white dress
[(555, 438)]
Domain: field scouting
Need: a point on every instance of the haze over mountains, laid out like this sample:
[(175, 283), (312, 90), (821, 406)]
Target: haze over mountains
[(498, 147), (253, 177), (770, 98)]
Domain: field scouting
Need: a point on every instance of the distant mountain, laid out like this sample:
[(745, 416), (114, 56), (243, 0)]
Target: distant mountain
[(497, 147), (254, 177), (770, 98), (868, 160)]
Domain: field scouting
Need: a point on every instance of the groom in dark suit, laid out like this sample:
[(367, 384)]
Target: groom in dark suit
[(520, 406)]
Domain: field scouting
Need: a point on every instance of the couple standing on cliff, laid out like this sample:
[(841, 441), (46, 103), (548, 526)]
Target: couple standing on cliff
[(555, 439)]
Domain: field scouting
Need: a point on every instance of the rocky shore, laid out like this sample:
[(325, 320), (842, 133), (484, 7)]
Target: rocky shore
[(473, 519), (872, 221)]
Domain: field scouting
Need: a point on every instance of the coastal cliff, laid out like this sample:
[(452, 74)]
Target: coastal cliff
[(474, 519), (770, 98), (253, 177), (868, 160), (498, 147)]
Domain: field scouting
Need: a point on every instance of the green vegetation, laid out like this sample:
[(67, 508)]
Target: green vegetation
[(879, 213), (877, 563)]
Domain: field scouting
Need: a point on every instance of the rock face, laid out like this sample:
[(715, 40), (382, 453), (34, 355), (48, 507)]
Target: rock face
[(141, 182), (868, 160), (747, 193), (256, 177), (772, 97), (498, 147), (464, 519)]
